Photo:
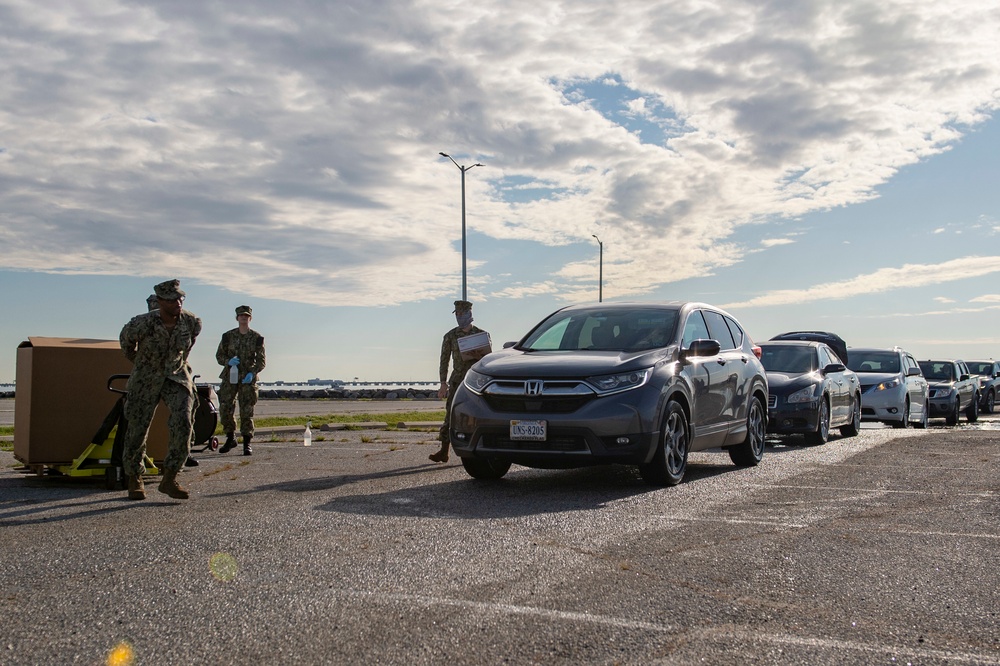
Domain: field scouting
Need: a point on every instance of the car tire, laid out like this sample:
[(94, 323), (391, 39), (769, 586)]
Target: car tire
[(822, 433), (485, 468), (854, 427), (670, 460), (989, 406), (972, 411), (952, 419), (751, 451), (922, 423), (905, 423)]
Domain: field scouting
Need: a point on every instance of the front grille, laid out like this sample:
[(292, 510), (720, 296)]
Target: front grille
[(866, 387), (535, 405), (555, 444)]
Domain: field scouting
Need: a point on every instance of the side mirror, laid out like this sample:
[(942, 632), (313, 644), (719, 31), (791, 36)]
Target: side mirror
[(964, 378), (834, 367), (913, 372), (702, 347), (508, 345)]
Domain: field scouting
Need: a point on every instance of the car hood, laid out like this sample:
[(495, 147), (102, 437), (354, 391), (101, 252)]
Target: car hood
[(514, 363), (941, 385), (871, 378), (780, 382)]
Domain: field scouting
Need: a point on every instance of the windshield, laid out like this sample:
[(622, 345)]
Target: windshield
[(981, 368), (789, 360), (873, 361), (937, 372), (604, 330)]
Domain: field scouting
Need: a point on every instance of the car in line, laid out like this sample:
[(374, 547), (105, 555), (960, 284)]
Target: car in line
[(893, 389), (832, 340), (988, 373), (953, 390), (640, 384), (810, 390)]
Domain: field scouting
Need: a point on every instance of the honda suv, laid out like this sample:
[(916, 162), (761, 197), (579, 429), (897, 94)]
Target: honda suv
[(631, 383), (953, 390), (893, 389)]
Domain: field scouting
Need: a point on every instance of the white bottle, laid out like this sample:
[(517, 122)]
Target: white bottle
[(234, 374), (307, 437)]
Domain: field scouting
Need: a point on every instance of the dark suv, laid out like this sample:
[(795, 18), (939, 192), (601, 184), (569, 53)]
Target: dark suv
[(953, 390), (632, 383), (989, 383)]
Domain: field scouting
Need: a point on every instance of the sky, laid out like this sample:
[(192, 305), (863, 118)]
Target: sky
[(804, 164)]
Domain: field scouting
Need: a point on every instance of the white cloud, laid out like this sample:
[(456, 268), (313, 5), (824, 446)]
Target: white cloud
[(882, 280), (289, 150), (775, 242)]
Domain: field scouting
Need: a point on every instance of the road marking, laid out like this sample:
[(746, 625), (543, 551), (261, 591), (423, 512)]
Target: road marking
[(704, 633)]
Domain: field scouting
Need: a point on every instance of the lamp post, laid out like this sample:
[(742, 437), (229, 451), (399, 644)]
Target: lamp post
[(463, 169), (600, 272)]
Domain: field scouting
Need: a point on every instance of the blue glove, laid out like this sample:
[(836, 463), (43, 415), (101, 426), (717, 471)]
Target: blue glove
[(234, 361), (248, 378)]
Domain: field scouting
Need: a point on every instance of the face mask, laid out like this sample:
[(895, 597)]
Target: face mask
[(463, 319)]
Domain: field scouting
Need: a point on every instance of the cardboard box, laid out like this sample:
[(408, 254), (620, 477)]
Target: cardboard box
[(474, 347), (61, 398)]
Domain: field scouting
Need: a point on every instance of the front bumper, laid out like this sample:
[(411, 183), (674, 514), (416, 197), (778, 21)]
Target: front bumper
[(786, 418), (885, 406), (610, 429), (942, 407)]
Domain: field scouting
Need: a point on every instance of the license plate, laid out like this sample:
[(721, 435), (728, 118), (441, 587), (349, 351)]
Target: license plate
[(532, 431)]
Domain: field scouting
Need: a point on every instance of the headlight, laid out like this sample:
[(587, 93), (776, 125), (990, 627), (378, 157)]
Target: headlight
[(802, 395), (892, 383), (621, 382), (476, 382)]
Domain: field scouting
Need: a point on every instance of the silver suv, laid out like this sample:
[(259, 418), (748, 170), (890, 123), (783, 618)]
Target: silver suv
[(630, 383), (953, 390), (893, 389)]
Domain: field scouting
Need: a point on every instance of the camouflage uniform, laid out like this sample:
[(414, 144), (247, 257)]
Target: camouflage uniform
[(161, 371), (450, 351), (249, 348)]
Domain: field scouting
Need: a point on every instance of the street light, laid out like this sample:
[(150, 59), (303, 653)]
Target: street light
[(600, 273), (463, 169)]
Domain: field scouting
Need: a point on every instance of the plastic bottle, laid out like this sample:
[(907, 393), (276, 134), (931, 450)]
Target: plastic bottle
[(307, 437), (234, 374)]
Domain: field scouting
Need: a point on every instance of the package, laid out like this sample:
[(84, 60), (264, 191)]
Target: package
[(474, 347), (61, 398)]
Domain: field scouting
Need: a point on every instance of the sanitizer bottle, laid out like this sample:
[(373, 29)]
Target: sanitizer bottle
[(307, 437)]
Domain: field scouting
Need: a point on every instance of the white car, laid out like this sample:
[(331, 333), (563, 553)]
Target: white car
[(893, 388)]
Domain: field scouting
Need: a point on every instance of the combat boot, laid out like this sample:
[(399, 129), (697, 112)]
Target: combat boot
[(247, 451), (136, 489), (230, 443), (442, 455), (169, 485)]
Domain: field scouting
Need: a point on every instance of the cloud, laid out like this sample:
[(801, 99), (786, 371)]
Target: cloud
[(290, 150), (882, 280)]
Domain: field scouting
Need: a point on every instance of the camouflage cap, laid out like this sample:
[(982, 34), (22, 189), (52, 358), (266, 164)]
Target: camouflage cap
[(169, 290), (244, 309), (462, 306), (151, 303)]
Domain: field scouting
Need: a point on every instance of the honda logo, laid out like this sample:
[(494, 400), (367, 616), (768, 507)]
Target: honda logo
[(533, 387)]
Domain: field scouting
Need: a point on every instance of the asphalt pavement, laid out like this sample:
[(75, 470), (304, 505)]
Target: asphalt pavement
[(876, 549)]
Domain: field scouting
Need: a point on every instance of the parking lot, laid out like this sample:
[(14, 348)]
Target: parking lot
[(882, 548)]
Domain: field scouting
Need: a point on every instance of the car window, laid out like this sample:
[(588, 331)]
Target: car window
[(604, 330), (877, 361), (736, 331), (909, 362), (788, 360), (937, 371), (719, 330), (827, 356), (694, 329)]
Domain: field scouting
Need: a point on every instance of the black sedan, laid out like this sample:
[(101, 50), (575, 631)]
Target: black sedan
[(810, 390)]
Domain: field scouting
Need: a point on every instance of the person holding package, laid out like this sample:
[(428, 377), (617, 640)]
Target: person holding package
[(241, 355), (158, 344), (450, 351)]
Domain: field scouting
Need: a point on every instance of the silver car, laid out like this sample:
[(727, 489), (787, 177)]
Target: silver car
[(893, 389), (632, 383)]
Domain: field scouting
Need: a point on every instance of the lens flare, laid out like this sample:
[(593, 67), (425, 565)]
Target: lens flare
[(121, 655), (223, 566)]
